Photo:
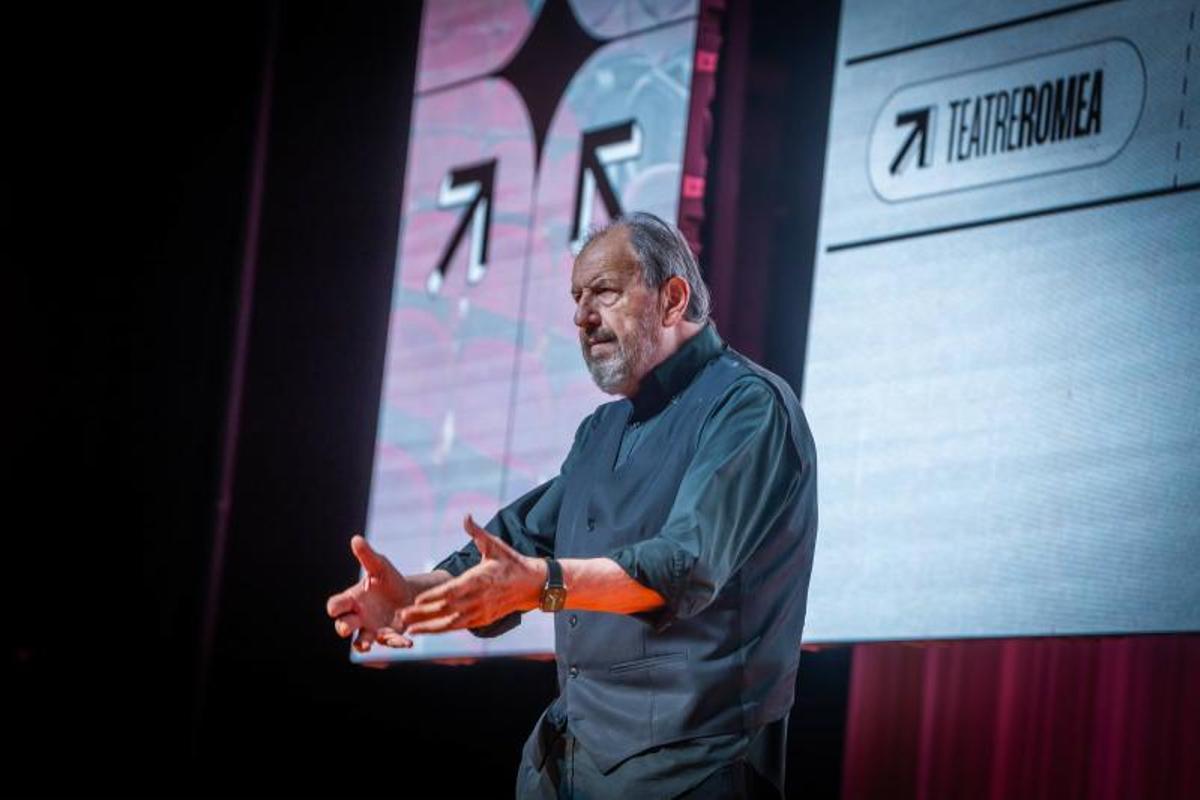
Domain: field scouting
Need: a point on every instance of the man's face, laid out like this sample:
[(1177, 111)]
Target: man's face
[(617, 314)]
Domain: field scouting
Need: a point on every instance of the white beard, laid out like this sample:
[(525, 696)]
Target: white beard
[(612, 372)]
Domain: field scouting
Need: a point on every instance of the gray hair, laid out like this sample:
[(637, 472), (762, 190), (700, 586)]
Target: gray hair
[(662, 253)]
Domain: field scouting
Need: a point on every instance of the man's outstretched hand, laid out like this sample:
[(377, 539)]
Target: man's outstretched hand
[(502, 582), (370, 606)]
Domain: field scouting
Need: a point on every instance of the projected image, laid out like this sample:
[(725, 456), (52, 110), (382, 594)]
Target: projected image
[(1003, 369), (532, 123)]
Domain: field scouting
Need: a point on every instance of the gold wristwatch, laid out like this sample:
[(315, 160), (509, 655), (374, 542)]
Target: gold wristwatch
[(554, 593)]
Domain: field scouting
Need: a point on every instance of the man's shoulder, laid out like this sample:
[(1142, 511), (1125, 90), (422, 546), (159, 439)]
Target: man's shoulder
[(750, 388), (745, 377)]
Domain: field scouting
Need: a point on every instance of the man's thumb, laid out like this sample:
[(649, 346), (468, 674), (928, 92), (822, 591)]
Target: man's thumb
[(483, 540), (371, 561)]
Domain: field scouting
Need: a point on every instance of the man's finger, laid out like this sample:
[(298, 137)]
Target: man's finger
[(346, 624), (398, 641), (340, 603), (392, 638), (443, 592), (370, 560), (449, 622), (362, 642), (425, 611), (450, 590)]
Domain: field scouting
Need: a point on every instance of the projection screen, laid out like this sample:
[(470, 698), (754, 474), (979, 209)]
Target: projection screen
[(1003, 364)]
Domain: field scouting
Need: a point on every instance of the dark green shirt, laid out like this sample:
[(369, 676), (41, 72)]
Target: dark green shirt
[(745, 467)]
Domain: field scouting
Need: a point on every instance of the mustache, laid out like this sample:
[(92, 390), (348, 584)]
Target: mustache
[(599, 337)]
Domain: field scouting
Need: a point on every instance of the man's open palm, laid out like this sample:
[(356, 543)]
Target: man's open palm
[(371, 605), (503, 581)]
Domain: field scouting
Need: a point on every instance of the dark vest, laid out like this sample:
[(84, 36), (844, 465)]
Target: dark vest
[(624, 687)]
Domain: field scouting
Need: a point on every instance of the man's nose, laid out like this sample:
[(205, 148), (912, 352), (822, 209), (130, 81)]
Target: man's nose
[(585, 313)]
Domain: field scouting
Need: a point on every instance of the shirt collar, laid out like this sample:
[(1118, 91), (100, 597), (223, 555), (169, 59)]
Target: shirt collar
[(674, 374)]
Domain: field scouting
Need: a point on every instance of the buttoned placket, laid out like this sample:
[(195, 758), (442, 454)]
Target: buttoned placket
[(634, 428)]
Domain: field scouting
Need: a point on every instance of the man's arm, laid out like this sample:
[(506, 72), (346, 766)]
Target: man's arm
[(423, 581), (744, 472), (507, 582), (601, 584)]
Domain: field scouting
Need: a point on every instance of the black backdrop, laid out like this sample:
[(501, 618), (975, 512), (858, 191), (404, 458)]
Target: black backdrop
[(133, 165)]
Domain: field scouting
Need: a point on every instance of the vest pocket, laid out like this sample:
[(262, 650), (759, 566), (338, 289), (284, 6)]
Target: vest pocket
[(647, 662)]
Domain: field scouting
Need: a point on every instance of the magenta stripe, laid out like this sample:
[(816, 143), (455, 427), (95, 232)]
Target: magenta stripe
[(237, 370)]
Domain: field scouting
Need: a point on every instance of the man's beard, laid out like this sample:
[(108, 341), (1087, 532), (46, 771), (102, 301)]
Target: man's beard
[(612, 371)]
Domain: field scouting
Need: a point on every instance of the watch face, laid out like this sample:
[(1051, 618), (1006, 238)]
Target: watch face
[(553, 598)]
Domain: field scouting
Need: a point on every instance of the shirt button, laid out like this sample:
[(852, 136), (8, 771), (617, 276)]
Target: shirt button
[(591, 524), (573, 620), (574, 671)]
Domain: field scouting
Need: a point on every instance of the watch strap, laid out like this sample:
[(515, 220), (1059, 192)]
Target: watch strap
[(554, 574)]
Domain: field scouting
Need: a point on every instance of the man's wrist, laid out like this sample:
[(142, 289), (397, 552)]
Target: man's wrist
[(423, 581), (540, 571)]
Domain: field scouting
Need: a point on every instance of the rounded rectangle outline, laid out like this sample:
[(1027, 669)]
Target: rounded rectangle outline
[(1136, 122)]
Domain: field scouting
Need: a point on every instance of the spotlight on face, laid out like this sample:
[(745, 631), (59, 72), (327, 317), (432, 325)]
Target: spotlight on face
[(617, 314)]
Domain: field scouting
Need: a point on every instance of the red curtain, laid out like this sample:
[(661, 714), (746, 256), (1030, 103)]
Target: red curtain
[(1114, 717)]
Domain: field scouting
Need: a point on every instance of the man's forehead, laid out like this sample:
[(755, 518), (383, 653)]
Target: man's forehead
[(608, 256)]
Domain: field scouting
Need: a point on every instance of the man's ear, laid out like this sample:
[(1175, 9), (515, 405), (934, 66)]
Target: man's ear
[(675, 294)]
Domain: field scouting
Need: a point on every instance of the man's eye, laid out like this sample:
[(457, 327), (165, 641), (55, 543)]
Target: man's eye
[(605, 295)]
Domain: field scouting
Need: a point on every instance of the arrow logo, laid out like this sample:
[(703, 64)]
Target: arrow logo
[(469, 186), (599, 148), (918, 136)]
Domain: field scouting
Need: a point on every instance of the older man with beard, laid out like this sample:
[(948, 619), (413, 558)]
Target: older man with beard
[(674, 547)]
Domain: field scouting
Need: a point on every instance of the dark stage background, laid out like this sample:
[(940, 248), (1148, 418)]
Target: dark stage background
[(176, 172)]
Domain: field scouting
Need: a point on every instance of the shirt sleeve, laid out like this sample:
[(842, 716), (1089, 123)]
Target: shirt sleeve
[(527, 524), (744, 474)]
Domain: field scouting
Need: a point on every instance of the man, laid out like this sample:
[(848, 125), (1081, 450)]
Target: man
[(674, 547)]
